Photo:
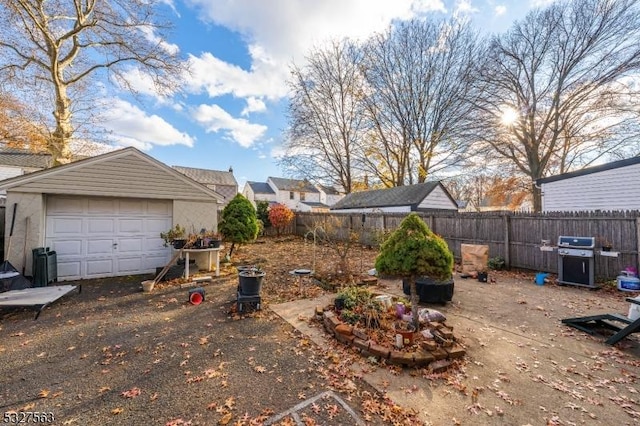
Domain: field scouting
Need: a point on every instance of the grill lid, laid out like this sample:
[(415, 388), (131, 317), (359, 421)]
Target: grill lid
[(577, 242)]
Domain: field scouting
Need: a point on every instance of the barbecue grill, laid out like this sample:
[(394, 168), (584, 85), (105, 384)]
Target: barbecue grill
[(576, 261)]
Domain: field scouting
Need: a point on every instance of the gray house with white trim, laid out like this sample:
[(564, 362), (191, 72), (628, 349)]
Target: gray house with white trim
[(298, 195), (610, 186), (401, 199)]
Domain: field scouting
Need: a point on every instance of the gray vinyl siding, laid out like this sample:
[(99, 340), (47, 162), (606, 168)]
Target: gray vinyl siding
[(437, 199), (614, 189), (126, 176)]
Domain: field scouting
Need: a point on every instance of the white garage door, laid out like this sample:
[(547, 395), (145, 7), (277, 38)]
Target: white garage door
[(104, 237)]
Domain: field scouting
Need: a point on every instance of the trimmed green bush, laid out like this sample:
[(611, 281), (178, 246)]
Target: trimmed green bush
[(239, 223), (413, 251)]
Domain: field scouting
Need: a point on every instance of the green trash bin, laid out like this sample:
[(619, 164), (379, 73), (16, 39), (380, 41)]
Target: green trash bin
[(40, 272)]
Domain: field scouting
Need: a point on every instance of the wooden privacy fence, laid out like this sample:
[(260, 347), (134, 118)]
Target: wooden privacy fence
[(516, 237)]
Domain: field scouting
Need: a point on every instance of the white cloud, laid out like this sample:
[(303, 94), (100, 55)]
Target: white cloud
[(150, 35), (141, 82), (281, 31), (253, 105), (215, 119), (500, 10), (277, 152), (218, 78), (541, 3), (171, 5), (130, 126), (286, 29), (464, 7)]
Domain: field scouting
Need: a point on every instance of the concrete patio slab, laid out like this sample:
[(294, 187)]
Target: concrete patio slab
[(522, 363)]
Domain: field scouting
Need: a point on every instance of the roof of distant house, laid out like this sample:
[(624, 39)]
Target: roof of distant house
[(293, 185), (329, 190), (260, 187), (315, 204), (595, 169), (388, 197), (208, 177), (24, 158)]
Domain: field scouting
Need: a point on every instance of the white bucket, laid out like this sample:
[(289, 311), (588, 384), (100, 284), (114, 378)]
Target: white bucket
[(634, 310), (385, 300), (148, 285)]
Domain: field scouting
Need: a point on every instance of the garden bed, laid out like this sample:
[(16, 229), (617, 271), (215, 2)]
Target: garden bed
[(377, 326)]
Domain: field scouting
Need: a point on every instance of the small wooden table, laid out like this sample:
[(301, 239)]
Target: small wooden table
[(210, 265)]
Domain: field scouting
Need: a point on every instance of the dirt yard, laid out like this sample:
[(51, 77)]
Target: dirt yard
[(115, 355)]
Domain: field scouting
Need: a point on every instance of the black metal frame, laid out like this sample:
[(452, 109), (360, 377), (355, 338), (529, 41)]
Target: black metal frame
[(245, 301), (590, 323)]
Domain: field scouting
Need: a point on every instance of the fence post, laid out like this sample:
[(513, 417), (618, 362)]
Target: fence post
[(505, 222), (638, 242)]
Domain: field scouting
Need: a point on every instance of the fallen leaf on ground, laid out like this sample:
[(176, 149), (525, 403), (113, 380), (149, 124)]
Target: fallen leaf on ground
[(225, 419), (131, 393)]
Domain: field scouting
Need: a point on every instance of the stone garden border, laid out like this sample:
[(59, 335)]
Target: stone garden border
[(436, 357)]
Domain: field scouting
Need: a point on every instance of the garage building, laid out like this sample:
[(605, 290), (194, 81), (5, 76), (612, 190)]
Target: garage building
[(103, 215)]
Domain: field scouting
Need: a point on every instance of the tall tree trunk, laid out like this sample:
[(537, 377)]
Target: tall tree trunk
[(536, 193), (59, 146)]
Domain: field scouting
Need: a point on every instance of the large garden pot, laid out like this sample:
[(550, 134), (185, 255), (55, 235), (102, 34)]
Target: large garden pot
[(430, 290), (250, 282)]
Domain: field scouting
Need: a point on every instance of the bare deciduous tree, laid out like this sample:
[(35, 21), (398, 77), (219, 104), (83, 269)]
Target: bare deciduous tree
[(57, 48), (325, 116), (419, 77), (557, 87)]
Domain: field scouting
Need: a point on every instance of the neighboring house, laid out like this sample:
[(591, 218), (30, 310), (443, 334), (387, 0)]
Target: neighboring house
[(298, 195), (401, 199), (329, 195), (611, 186), (103, 215), (18, 162), (258, 191), (224, 183)]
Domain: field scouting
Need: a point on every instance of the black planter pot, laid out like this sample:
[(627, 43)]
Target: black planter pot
[(214, 243), (250, 282), (178, 244), (431, 291)]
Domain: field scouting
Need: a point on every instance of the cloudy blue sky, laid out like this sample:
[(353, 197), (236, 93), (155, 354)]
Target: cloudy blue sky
[(232, 109)]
